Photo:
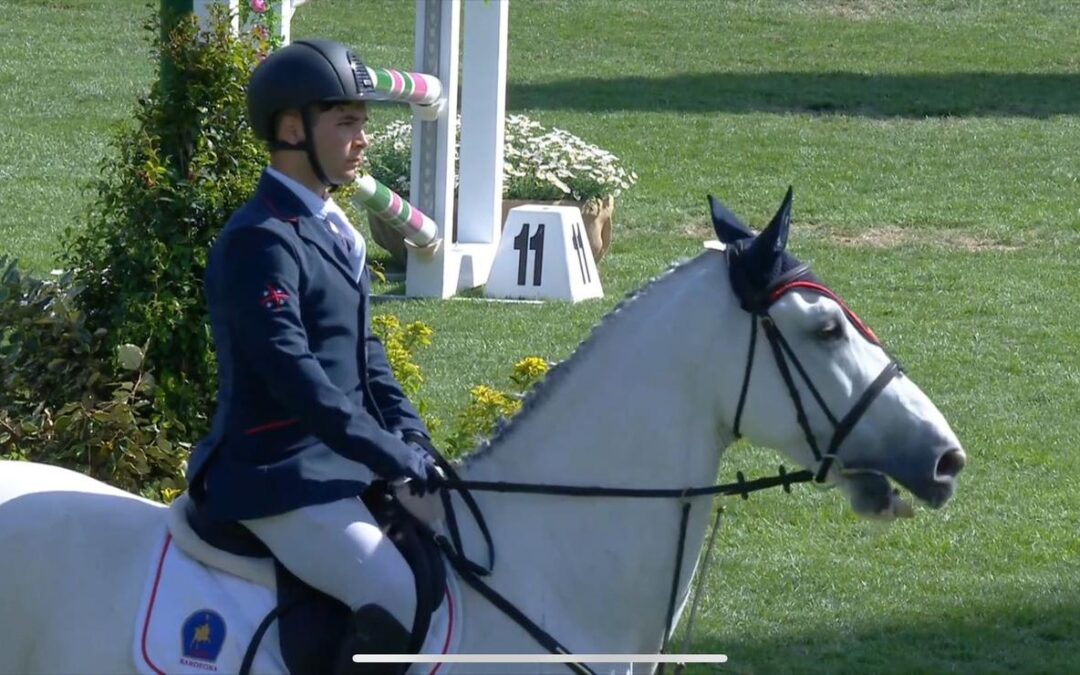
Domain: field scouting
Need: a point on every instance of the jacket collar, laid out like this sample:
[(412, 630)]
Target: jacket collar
[(279, 199), (284, 204)]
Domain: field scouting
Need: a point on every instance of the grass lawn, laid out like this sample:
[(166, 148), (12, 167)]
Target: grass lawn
[(934, 151)]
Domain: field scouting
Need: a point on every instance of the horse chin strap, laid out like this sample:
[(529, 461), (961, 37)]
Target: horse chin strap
[(783, 354)]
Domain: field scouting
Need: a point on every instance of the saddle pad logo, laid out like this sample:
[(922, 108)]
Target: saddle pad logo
[(203, 635)]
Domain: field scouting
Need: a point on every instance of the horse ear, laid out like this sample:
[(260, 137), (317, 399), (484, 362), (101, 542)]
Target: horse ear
[(773, 239), (727, 225)]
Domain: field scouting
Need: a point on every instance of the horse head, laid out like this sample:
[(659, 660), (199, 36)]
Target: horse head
[(821, 388)]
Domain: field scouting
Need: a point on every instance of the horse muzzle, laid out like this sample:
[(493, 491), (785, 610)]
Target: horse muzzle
[(932, 480)]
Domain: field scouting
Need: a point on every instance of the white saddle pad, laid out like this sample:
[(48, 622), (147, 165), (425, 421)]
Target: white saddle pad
[(196, 619)]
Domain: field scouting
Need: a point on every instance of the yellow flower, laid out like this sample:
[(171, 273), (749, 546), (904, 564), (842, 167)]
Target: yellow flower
[(168, 494), (528, 372)]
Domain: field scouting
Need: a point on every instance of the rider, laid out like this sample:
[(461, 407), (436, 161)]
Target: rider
[(309, 412)]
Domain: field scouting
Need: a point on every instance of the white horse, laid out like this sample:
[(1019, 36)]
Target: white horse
[(648, 401)]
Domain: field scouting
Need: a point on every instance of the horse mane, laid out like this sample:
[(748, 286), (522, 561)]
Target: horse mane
[(557, 374)]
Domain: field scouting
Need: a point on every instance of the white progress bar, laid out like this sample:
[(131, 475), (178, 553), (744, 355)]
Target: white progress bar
[(539, 658)]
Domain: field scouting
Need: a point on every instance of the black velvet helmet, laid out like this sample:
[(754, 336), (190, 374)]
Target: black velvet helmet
[(304, 73)]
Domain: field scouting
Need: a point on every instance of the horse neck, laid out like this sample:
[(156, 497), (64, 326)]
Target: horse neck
[(638, 406)]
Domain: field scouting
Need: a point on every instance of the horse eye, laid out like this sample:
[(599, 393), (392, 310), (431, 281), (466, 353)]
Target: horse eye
[(832, 330)]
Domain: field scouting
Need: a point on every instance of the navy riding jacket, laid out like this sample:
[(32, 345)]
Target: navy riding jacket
[(302, 381)]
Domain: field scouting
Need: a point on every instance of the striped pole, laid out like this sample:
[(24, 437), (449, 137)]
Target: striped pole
[(417, 88), (416, 227)]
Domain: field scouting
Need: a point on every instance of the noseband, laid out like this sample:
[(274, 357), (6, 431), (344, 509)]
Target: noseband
[(783, 354)]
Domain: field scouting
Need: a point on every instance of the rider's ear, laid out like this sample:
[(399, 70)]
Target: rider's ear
[(727, 225), (765, 248), (289, 126)]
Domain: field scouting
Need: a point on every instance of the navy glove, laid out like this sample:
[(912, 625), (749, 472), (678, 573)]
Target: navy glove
[(419, 469), (431, 480), (426, 476), (396, 462)]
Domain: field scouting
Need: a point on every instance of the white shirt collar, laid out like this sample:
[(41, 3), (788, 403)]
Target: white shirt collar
[(327, 209), (314, 203)]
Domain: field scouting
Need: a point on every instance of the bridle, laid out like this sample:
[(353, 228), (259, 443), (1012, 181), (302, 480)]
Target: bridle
[(800, 278)]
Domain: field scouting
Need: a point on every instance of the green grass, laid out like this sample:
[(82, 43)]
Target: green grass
[(69, 71), (942, 135)]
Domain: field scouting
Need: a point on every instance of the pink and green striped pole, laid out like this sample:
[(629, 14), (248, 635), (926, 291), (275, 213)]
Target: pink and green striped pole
[(416, 227), (416, 88)]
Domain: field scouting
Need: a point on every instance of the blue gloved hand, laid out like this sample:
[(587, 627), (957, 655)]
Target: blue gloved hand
[(432, 478), (423, 473)]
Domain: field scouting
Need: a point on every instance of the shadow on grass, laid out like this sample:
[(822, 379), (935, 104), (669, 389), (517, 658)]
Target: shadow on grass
[(1021, 636), (836, 93)]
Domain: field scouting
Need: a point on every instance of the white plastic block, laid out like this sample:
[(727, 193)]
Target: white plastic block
[(544, 254)]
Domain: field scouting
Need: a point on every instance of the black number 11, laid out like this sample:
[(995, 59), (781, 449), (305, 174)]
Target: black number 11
[(523, 244)]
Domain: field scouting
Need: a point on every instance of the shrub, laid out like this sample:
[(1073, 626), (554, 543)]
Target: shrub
[(489, 407), (187, 164), (401, 343), (109, 369), (66, 400)]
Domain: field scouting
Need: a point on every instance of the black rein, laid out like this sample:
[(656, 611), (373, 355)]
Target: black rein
[(472, 572)]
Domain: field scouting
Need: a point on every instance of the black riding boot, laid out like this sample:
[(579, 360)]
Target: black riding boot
[(373, 630)]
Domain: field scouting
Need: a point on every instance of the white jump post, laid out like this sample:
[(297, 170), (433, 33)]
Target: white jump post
[(202, 11), (284, 8), (468, 248)]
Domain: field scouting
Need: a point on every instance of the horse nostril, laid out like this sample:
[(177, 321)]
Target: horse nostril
[(950, 464)]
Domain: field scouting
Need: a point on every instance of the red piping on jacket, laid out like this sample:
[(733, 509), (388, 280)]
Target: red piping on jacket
[(270, 426)]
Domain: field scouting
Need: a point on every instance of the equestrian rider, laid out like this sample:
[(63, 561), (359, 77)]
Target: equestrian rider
[(308, 410)]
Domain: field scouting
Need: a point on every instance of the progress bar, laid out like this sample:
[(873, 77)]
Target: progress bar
[(539, 658)]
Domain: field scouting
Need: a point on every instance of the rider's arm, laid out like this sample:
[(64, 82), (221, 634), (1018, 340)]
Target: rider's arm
[(262, 291)]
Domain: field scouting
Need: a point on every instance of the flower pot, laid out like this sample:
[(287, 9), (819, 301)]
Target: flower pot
[(595, 215)]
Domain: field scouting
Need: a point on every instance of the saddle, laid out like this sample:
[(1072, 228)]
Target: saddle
[(312, 625)]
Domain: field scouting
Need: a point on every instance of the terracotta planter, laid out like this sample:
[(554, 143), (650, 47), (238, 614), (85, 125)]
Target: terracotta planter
[(596, 215)]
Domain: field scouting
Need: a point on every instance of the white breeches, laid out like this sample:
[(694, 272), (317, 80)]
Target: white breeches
[(339, 549)]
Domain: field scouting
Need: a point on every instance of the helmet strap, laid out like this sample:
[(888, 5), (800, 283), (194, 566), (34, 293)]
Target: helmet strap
[(308, 146), (282, 145)]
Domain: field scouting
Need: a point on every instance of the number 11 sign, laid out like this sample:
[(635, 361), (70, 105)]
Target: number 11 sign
[(544, 255)]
